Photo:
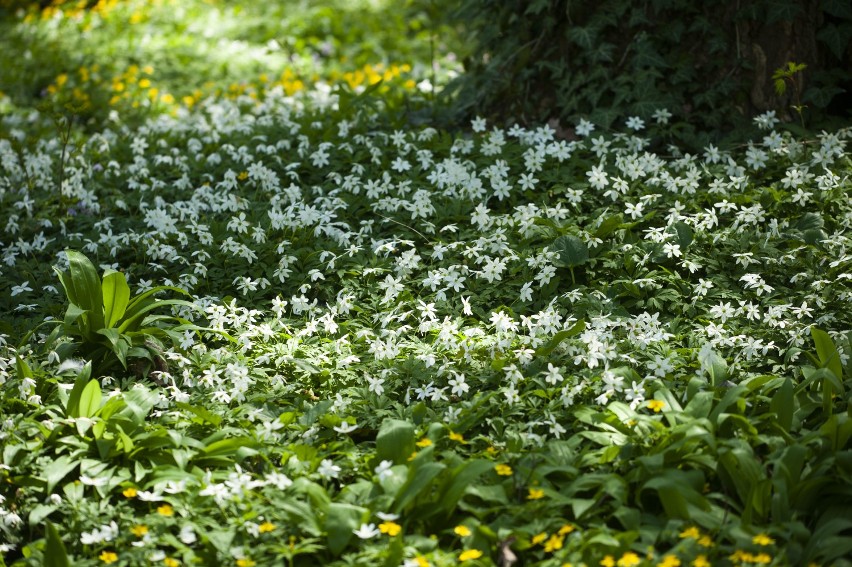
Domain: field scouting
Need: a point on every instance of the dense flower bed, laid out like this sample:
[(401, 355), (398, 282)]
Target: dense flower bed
[(418, 347)]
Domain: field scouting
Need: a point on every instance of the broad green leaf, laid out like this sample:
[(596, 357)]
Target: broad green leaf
[(419, 478), (55, 554), (87, 286), (395, 441), (56, 470), (458, 480), (201, 413), (782, 404), (116, 296), (609, 226), (90, 399), (683, 232), (340, 521), (72, 409), (557, 338), (572, 251), (23, 369), (40, 512), (827, 352)]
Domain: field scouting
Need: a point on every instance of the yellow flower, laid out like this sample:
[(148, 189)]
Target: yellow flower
[(171, 562), (669, 561), (538, 538), (129, 492), (762, 539), (566, 529), (462, 531), (243, 175), (608, 561), (700, 561), (266, 527), (144, 83), (629, 559), (456, 437), (535, 494), (762, 558), (139, 530), (491, 450), (108, 557), (245, 562), (423, 443), (691, 532), (421, 561), (656, 405), (390, 528), (705, 541), (470, 554), (503, 470), (554, 543), (166, 510)]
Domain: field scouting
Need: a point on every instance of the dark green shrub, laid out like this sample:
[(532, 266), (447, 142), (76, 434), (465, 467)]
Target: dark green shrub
[(710, 63)]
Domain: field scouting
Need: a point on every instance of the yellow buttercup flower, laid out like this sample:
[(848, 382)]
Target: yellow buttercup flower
[(656, 405), (139, 530), (129, 492), (245, 562), (608, 561), (538, 538), (171, 562), (266, 527), (390, 528), (456, 437), (423, 443), (462, 531), (503, 470), (700, 561), (470, 554), (629, 559), (669, 561), (108, 557), (166, 510), (762, 539), (554, 543), (535, 494), (690, 532)]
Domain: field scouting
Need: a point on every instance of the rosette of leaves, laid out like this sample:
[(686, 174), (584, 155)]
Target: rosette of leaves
[(104, 325)]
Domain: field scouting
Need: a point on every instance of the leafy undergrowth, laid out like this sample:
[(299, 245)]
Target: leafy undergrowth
[(411, 347), (307, 337)]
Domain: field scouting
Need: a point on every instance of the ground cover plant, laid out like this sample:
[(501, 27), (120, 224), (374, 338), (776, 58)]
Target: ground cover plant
[(289, 327)]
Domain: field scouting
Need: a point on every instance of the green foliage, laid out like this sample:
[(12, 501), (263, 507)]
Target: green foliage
[(562, 61), (104, 325)]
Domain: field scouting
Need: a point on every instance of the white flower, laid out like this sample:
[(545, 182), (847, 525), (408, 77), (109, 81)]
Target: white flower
[(553, 376), (328, 469), (384, 469), (366, 531), (19, 289), (584, 128)]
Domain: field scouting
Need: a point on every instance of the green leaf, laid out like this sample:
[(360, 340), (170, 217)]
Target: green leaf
[(683, 232), (395, 441), (609, 226), (55, 554), (457, 482), (827, 352), (90, 399), (72, 408), (557, 338), (572, 251), (423, 474), (202, 413), (87, 288), (56, 470), (116, 296), (782, 404), (340, 521)]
